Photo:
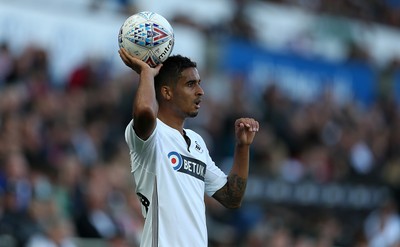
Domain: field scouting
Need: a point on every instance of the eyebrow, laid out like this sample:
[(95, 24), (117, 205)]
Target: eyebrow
[(191, 81)]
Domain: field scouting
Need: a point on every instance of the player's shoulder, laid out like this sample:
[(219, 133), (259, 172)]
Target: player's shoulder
[(193, 134)]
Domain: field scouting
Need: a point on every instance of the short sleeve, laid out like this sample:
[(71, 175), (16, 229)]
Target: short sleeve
[(215, 178), (134, 142)]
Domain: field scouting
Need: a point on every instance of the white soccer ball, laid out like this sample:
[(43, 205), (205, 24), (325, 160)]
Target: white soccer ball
[(147, 36)]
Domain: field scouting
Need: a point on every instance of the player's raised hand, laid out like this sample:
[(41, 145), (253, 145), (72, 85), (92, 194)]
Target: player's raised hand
[(137, 64), (245, 130)]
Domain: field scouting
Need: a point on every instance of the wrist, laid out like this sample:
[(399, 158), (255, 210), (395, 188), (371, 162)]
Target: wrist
[(242, 145), (146, 72)]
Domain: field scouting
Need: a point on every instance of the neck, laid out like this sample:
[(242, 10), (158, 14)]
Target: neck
[(172, 121)]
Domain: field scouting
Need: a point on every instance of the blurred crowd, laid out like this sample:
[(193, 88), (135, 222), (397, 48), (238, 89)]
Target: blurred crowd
[(64, 165), (385, 12)]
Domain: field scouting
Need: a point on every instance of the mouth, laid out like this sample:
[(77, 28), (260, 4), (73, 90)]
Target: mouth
[(197, 103)]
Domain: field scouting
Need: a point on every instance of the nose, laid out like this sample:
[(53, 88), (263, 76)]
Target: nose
[(200, 90)]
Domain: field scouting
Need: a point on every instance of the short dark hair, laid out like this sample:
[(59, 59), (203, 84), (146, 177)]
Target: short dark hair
[(171, 70)]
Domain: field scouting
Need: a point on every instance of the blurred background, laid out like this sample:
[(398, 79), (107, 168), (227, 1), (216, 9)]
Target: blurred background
[(321, 76)]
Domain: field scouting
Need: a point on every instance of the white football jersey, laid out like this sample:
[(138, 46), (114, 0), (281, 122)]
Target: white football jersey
[(171, 180)]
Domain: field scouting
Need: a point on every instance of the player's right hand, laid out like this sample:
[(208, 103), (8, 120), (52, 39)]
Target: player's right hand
[(136, 64)]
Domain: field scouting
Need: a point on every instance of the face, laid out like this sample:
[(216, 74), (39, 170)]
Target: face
[(187, 93)]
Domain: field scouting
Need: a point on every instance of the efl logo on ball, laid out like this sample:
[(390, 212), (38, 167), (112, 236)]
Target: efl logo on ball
[(147, 36)]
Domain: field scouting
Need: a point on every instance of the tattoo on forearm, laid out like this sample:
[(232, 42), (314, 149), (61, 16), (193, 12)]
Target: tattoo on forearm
[(232, 194)]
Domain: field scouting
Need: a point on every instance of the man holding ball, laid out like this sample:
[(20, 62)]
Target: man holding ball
[(171, 165)]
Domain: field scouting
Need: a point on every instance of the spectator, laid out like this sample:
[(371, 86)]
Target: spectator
[(382, 226)]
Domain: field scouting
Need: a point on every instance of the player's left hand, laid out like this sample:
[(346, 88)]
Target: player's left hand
[(245, 130)]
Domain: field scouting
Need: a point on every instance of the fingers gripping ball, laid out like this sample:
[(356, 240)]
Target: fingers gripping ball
[(147, 36)]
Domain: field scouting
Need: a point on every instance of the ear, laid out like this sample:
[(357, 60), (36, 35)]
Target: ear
[(166, 92)]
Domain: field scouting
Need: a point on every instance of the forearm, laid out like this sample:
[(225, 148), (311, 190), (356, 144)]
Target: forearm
[(241, 158), (231, 195), (145, 106), (145, 99)]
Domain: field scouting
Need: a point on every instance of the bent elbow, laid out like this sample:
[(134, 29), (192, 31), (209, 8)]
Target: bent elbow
[(233, 204), (144, 122), (236, 206), (144, 112)]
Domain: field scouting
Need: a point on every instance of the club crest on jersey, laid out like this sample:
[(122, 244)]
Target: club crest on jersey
[(187, 165), (198, 147)]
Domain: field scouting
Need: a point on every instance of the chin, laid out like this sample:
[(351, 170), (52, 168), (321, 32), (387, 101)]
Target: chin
[(193, 114)]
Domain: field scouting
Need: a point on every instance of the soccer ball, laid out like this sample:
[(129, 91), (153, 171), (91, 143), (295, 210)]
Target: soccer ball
[(147, 36)]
